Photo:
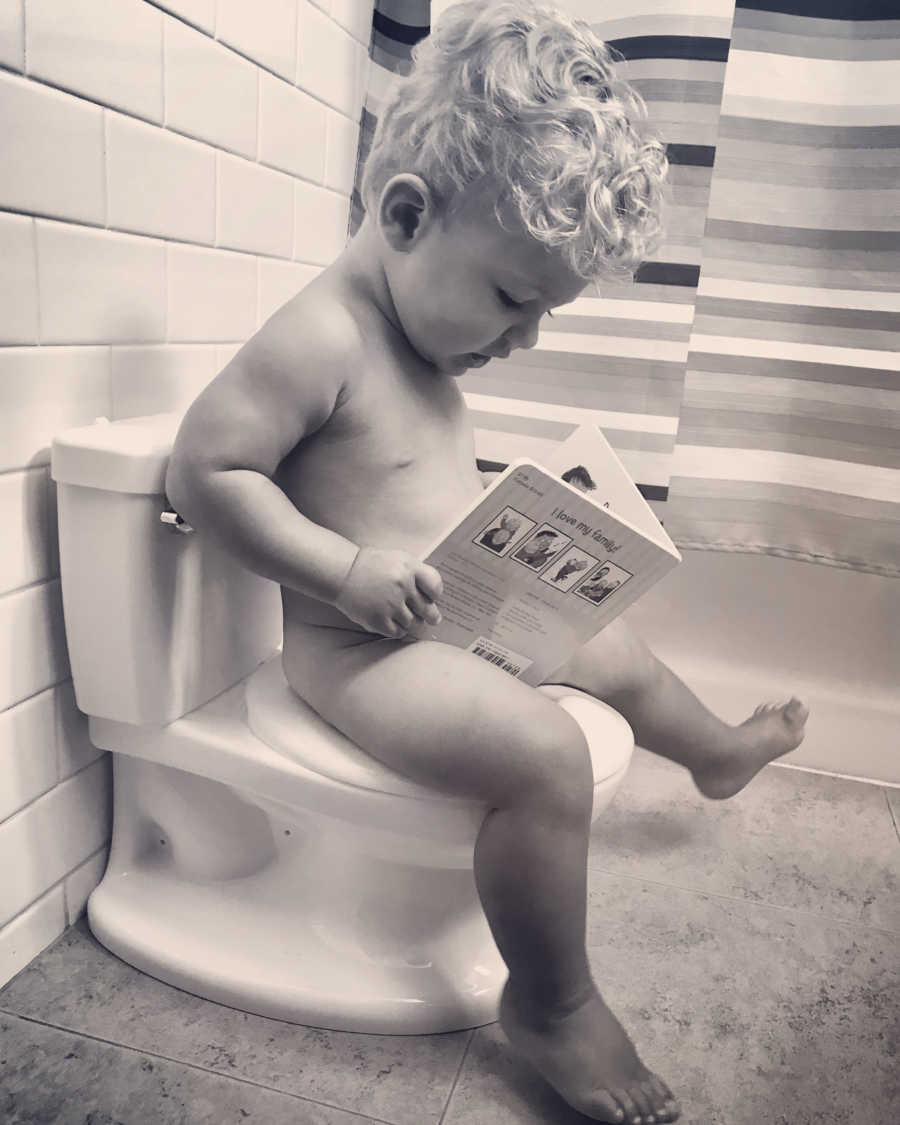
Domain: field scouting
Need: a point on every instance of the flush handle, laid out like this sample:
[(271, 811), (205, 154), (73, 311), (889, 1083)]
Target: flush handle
[(172, 518)]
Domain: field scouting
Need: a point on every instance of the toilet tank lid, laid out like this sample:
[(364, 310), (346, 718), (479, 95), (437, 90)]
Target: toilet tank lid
[(129, 455)]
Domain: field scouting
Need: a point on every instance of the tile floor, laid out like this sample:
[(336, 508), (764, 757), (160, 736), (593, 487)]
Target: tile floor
[(751, 947)]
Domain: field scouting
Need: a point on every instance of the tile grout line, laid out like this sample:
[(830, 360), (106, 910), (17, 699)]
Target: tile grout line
[(748, 902), (455, 1081), (194, 1066)]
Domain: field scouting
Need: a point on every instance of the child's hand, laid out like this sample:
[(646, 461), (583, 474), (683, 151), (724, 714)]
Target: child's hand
[(387, 591)]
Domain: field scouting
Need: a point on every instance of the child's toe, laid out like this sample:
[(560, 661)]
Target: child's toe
[(635, 1103), (796, 711), (603, 1106)]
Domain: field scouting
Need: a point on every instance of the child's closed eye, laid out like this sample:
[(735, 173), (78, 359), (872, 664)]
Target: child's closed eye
[(511, 303), (505, 299)]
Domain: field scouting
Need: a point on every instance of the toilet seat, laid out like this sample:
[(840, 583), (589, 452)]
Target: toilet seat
[(286, 723)]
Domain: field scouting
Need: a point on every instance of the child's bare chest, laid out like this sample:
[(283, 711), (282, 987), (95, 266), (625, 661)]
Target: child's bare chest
[(394, 463)]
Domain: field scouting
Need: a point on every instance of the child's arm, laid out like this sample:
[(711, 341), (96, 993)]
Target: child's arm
[(230, 444)]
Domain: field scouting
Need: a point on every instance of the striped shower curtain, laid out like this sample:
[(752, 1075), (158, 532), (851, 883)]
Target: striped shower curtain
[(788, 435), (748, 375)]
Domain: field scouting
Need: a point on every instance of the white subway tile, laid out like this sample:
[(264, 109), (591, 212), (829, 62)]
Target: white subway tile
[(71, 822), (279, 282), (265, 31), (107, 50), (45, 390), (291, 129), (355, 16), (51, 158), (159, 380), (225, 353), (320, 223), (33, 654), (31, 932), (211, 93), (255, 207), (340, 164), (18, 281), (27, 752), (24, 516), (81, 882), (12, 34), (200, 13), (158, 182), (99, 286), (212, 294), (74, 749), (327, 60)]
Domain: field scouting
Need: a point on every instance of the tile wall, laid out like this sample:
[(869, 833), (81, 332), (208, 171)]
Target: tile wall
[(170, 173)]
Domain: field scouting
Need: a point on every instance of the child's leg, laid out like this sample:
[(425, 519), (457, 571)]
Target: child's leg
[(668, 719), (448, 720)]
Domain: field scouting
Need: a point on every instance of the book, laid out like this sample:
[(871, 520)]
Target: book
[(546, 557)]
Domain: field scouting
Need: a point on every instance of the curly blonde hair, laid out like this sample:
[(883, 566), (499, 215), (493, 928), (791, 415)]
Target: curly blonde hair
[(516, 92)]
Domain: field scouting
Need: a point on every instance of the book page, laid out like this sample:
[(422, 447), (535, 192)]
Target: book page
[(533, 569), (588, 449)]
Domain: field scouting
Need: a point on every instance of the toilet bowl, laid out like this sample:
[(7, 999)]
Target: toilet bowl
[(262, 860), (259, 858)]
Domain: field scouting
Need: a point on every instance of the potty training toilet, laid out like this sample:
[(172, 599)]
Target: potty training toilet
[(259, 858)]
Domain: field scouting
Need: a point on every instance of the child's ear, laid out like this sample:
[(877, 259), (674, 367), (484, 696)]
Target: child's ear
[(405, 210)]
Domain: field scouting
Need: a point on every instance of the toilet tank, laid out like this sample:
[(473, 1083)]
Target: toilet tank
[(157, 621)]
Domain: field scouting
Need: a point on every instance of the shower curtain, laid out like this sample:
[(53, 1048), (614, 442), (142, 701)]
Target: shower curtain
[(748, 376)]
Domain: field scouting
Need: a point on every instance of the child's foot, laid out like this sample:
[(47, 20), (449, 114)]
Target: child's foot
[(772, 730), (590, 1061)]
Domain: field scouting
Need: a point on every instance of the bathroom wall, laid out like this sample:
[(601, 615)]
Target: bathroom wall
[(170, 173)]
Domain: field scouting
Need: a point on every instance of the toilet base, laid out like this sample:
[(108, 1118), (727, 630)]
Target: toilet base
[(295, 925), (203, 945)]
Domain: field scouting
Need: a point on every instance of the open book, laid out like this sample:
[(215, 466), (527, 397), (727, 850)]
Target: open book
[(545, 557)]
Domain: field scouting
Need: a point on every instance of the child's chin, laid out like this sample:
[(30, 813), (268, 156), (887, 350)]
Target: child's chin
[(454, 364), (469, 361)]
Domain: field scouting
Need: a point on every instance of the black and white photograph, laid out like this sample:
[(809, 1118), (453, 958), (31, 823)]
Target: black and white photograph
[(357, 359)]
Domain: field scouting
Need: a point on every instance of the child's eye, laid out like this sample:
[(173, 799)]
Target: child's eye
[(505, 299)]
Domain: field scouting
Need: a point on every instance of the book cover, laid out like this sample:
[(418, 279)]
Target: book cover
[(537, 564)]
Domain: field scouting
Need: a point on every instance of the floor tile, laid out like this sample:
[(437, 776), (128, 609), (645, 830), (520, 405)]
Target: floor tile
[(754, 1015), (790, 838), (78, 985), (51, 1077)]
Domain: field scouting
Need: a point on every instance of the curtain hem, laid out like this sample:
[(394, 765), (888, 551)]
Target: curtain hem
[(798, 555)]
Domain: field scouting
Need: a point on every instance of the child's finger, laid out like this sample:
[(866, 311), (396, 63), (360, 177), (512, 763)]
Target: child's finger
[(428, 581), (424, 609)]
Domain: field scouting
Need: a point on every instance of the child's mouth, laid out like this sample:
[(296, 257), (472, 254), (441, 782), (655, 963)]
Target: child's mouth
[(478, 360)]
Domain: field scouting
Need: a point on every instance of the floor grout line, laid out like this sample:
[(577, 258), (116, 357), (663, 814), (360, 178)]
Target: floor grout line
[(453, 1084), (748, 902), (891, 812), (194, 1066)]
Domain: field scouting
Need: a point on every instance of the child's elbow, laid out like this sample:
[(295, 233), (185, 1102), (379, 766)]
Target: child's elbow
[(184, 486)]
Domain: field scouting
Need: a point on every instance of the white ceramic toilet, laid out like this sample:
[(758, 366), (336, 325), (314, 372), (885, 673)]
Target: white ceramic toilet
[(259, 858)]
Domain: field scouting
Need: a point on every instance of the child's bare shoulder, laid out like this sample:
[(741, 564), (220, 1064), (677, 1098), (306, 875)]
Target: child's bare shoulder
[(314, 336), (284, 384)]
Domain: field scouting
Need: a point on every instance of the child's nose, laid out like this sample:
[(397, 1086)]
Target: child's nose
[(524, 334)]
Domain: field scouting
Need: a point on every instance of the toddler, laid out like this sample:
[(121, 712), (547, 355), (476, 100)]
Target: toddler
[(509, 171)]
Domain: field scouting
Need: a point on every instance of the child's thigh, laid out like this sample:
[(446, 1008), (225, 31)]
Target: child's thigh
[(446, 719), (614, 662)]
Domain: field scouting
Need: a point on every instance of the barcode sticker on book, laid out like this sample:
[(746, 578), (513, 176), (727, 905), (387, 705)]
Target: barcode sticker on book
[(504, 658)]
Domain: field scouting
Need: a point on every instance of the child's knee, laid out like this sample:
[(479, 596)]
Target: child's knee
[(614, 664), (553, 765)]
